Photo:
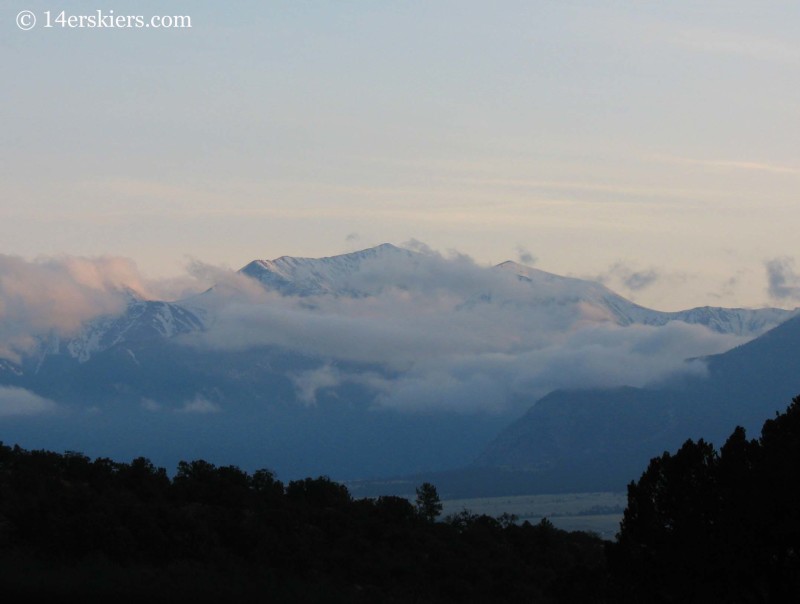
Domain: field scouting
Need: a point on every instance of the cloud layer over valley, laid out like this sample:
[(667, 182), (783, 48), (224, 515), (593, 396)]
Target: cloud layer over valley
[(425, 331), (416, 329)]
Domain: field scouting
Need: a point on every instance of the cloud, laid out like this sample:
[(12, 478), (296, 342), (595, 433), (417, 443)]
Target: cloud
[(407, 307), (783, 281), (630, 279), (728, 287), (731, 165), (525, 257), (150, 405), (640, 279), (20, 402), (57, 295), (227, 282), (419, 247), (422, 331), (635, 280), (309, 383), (603, 355), (739, 44), (199, 405), (417, 330)]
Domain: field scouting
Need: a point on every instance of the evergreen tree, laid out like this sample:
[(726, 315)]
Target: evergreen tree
[(429, 506)]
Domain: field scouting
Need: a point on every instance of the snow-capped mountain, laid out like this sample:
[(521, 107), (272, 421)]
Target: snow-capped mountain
[(344, 275), (142, 320), (314, 276), (327, 372), (547, 287), (366, 272)]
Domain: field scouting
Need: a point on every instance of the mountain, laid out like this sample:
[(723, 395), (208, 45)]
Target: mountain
[(349, 275), (378, 362), (547, 288), (603, 438), (141, 321), (359, 274), (333, 275)]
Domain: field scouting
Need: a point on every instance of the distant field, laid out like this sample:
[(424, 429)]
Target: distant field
[(597, 512)]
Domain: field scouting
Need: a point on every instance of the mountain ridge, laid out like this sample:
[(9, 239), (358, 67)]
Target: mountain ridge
[(333, 276), (379, 362), (613, 432)]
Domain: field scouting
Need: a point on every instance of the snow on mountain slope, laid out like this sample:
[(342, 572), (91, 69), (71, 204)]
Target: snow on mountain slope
[(7, 368), (526, 291), (546, 286), (344, 275), (313, 276), (734, 321), (142, 320)]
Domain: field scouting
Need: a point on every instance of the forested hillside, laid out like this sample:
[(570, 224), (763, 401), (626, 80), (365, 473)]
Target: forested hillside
[(700, 525), (102, 529)]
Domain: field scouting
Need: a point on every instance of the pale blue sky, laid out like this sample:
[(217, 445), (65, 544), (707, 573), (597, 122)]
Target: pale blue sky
[(606, 138)]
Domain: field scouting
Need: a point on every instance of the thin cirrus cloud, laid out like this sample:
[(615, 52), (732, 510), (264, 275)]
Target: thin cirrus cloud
[(744, 165), (738, 44)]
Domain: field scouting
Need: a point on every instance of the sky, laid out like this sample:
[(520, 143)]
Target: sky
[(652, 146)]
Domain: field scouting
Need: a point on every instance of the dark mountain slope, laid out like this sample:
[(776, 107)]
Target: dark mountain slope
[(603, 437)]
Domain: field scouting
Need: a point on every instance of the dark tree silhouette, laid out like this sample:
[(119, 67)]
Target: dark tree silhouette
[(708, 526), (429, 506)]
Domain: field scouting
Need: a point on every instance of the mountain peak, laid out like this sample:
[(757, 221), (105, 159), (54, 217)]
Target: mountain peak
[(378, 250), (308, 276), (531, 273)]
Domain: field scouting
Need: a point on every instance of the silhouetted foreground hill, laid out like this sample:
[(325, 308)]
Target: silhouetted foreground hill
[(99, 529), (700, 526)]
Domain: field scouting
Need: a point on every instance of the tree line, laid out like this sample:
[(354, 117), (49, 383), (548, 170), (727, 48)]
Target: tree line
[(703, 525), (97, 529), (700, 525)]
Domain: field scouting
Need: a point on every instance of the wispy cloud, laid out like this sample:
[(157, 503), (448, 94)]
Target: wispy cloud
[(623, 189), (631, 279), (783, 283), (21, 402), (524, 256), (749, 166), (738, 44), (199, 405)]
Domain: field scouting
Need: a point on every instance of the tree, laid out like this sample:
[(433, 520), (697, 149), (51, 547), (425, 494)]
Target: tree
[(429, 506), (318, 493), (708, 526)]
